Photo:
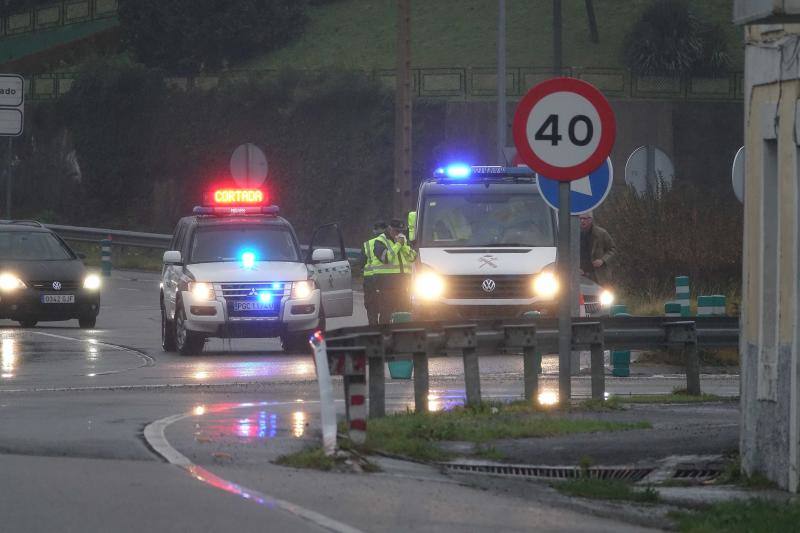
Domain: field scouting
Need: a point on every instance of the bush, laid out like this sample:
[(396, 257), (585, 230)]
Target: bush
[(196, 35), (687, 231), (670, 40)]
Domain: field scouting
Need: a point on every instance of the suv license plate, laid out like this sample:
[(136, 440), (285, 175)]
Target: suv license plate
[(58, 298), (253, 306)]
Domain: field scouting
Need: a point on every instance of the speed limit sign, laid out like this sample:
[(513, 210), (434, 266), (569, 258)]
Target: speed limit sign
[(564, 129)]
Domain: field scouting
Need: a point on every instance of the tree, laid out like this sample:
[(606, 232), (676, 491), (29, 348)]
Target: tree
[(670, 40), (195, 35)]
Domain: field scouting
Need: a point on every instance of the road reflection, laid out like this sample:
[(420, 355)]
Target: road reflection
[(260, 424), (8, 359), (206, 371)]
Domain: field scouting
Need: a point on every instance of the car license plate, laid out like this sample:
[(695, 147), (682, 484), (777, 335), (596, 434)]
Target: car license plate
[(58, 298), (253, 306)]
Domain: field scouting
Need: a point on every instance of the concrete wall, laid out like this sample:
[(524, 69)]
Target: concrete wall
[(701, 137), (770, 386)]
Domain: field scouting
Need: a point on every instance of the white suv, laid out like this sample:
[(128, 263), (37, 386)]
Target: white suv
[(242, 275)]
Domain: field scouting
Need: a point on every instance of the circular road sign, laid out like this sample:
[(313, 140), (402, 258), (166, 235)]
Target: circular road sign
[(249, 165), (564, 129), (638, 177), (585, 194), (737, 175)]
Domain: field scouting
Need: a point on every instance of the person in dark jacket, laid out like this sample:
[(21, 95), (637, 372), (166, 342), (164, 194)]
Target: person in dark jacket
[(597, 251)]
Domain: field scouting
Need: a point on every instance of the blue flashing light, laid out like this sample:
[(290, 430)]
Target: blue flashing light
[(248, 259), (265, 297), (458, 171), (277, 285)]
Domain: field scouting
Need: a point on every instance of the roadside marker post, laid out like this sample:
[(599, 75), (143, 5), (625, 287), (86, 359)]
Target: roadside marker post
[(683, 295), (620, 359), (564, 129), (105, 256)]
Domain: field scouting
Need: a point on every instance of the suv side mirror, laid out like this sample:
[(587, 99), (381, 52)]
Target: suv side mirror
[(322, 255), (172, 257)]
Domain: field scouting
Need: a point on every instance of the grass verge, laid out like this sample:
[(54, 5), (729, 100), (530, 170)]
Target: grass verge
[(755, 516), (670, 398), (124, 257), (606, 489), (315, 458), (415, 435)]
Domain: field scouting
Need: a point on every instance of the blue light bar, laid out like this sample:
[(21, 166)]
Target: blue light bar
[(455, 171), (465, 172)]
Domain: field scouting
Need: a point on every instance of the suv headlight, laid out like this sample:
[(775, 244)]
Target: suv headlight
[(428, 285), (545, 285), (302, 289), (9, 282), (201, 291), (91, 282)]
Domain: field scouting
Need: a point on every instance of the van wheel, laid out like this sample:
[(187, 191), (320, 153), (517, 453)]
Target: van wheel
[(186, 342), (167, 333)]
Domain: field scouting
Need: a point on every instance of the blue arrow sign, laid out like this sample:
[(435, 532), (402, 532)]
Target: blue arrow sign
[(585, 193)]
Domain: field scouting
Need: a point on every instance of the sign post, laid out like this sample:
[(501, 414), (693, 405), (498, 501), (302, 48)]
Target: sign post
[(564, 129), (12, 101)]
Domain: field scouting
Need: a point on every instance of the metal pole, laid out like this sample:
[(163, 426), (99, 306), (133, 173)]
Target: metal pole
[(565, 302), (575, 281), (557, 50), (472, 376), (402, 137), (502, 125), (421, 383), (9, 177), (593, 34)]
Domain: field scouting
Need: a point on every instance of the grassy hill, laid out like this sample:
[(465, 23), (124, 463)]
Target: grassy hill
[(461, 33)]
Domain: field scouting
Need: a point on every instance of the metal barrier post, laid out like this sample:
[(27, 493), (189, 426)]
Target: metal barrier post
[(463, 338), (105, 256), (351, 362), (524, 336), (413, 341), (373, 343), (685, 334), (591, 334)]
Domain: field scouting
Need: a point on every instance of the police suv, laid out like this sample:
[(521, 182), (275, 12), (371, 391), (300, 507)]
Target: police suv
[(235, 269)]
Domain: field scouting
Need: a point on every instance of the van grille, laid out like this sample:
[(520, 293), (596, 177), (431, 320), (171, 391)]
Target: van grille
[(471, 287)]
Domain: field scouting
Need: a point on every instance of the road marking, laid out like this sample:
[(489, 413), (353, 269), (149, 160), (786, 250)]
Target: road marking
[(154, 435), (147, 359)]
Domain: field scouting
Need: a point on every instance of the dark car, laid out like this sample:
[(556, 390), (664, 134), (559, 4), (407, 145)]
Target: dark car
[(42, 279)]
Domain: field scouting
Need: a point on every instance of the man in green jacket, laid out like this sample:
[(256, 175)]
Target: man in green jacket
[(597, 251)]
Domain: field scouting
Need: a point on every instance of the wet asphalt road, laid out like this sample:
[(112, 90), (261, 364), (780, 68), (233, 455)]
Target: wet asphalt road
[(74, 405)]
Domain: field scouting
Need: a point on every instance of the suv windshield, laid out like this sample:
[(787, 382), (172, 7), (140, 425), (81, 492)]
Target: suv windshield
[(213, 244), (32, 246), (490, 219)]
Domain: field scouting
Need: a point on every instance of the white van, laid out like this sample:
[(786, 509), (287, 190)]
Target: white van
[(486, 243)]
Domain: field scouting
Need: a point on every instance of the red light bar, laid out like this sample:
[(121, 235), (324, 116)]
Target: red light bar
[(238, 197)]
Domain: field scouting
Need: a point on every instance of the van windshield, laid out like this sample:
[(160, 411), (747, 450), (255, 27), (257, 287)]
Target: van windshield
[(491, 219)]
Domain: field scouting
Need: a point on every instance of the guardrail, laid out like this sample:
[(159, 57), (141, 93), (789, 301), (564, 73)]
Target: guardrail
[(354, 352), (140, 239)]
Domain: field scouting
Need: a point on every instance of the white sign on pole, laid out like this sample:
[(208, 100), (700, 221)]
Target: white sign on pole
[(249, 165), (11, 105), (737, 175)]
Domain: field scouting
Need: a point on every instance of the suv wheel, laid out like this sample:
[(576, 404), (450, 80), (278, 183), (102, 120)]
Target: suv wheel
[(167, 333), (28, 323), (87, 322), (296, 342), (186, 342)]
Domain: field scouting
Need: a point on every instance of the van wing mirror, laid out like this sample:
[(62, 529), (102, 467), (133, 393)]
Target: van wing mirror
[(172, 257)]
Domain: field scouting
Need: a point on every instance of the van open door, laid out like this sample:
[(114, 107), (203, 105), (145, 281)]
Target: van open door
[(328, 265)]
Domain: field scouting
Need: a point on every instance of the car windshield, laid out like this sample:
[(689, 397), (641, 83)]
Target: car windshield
[(490, 219), (32, 246), (229, 243)]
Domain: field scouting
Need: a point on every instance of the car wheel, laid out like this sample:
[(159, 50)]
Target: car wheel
[(167, 333), (296, 342), (87, 322), (29, 323), (186, 342)]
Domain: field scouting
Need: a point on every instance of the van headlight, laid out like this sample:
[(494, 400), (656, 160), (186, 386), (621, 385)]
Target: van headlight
[(302, 289), (201, 291), (545, 285), (91, 282), (428, 285), (606, 298)]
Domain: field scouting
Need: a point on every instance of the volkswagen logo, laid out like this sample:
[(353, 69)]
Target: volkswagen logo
[(56, 285), (488, 285)]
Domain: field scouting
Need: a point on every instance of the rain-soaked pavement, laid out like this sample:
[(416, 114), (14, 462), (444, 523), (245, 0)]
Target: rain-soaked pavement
[(74, 405)]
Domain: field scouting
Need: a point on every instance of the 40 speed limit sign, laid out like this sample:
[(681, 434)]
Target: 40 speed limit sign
[(564, 129)]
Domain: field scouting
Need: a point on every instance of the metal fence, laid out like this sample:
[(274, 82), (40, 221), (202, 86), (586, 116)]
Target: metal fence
[(57, 14)]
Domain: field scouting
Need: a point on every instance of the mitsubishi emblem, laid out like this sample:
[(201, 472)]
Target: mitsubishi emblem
[(488, 260), (488, 285), (253, 292)]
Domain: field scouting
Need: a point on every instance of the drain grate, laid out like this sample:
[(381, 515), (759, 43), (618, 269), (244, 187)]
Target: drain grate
[(697, 474), (548, 472)]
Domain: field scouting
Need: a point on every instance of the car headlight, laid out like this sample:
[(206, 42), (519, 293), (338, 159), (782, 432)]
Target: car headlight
[(545, 285), (302, 289), (10, 282), (428, 285), (91, 282), (201, 291), (606, 298)]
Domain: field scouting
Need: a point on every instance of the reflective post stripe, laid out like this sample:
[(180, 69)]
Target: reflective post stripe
[(105, 256), (683, 294)]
